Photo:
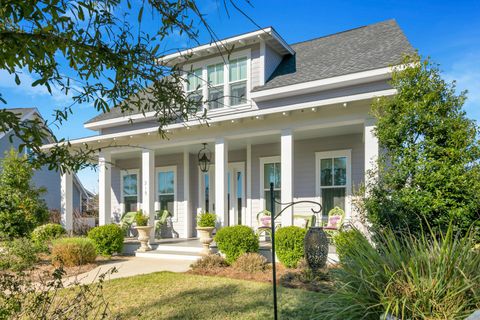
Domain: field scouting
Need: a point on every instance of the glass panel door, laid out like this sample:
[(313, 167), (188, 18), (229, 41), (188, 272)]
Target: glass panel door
[(236, 193)]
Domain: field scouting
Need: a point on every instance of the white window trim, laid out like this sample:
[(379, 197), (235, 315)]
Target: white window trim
[(122, 174), (201, 190), (348, 193), (263, 161), (226, 80), (175, 190)]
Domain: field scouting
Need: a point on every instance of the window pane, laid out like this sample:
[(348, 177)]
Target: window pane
[(215, 74), (239, 196), (268, 175), (130, 203), (238, 69), (166, 203), (340, 171), (130, 184), (278, 169), (326, 172), (277, 195), (238, 92), (331, 198), (166, 182), (194, 79), (196, 97), (215, 97), (207, 192)]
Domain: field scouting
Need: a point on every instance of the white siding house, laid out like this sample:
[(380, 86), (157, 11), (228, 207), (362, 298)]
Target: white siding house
[(302, 122)]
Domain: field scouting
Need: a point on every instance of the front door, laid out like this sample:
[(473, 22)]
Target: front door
[(235, 188)]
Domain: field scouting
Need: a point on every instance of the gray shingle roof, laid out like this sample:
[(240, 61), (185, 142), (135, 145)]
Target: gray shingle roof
[(365, 48), (361, 49)]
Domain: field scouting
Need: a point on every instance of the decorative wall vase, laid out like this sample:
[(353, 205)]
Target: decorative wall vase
[(316, 248), (205, 234), (143, 237)]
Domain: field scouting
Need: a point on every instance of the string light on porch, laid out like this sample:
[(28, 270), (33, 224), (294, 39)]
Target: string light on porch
[(204, 157)]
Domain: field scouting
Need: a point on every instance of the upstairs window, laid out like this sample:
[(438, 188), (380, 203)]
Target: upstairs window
[(238, 81), (195, 85), (215, 86)]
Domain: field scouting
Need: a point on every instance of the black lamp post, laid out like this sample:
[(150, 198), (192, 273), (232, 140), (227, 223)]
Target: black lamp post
[(204, 157)]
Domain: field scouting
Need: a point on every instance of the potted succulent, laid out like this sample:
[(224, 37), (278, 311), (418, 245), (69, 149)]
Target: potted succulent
[(143, 229), (205, 225)]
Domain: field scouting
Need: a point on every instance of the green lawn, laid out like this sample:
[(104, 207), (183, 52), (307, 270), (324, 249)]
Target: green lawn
[(168, 295)]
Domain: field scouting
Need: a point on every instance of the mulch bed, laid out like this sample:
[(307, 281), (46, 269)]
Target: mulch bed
[(290, 278)]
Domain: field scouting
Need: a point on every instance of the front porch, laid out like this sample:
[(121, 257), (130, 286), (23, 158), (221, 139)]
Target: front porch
[(311, 154)]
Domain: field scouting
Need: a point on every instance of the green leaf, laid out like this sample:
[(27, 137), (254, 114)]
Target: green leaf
[(140, 14), (17, 79)]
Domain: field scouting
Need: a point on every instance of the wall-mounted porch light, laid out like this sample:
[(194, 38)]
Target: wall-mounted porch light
[(204, 157)]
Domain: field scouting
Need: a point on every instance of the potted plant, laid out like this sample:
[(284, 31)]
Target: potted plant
[(205, 225), (143, 229)]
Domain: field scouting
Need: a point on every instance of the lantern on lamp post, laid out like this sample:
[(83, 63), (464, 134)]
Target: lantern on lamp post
[(204, 158)]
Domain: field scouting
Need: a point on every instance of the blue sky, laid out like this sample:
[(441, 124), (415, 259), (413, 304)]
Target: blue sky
[(447, 31)]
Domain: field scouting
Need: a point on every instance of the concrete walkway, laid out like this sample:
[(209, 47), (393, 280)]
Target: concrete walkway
[(130, 267)]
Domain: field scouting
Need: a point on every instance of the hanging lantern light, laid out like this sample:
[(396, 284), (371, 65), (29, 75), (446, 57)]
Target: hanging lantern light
[(204, 157), (316, 248)]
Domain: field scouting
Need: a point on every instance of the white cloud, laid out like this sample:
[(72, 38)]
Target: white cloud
[(466, 72), (7, 81)]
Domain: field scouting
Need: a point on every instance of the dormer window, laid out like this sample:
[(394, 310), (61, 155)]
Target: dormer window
[(220, 82), (215, 86), (194, 86), (238, 81)]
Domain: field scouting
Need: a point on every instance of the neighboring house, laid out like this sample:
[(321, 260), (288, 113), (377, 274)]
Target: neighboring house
[(44, 178), (293, 114)]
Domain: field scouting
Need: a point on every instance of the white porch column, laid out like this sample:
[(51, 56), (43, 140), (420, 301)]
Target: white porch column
[(104, 188), (66, 192), (371, 149), (221, 180), (148, 188), (248, 215), (287, 174), (186, 194)]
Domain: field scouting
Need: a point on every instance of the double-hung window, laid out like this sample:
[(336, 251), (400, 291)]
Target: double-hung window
[(215, 86), (166, 189), (194, 86), (130, 190), (238, 81), (271, 174), (333, 179)]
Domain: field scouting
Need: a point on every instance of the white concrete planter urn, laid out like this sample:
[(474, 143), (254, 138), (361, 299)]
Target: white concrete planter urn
[(143, 237), (205, 234)]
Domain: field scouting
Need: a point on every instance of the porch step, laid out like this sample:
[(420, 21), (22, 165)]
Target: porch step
[(170, 255), (180, 249)]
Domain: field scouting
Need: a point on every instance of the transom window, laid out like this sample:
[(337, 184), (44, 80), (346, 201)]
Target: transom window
[(166, 189), (271, 173), (130, 190), (238, 81), (215, 86), (333, 179)]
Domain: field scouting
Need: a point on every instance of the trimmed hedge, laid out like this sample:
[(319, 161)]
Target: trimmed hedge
[(289, 245), (44, 234), (71, 252), (108, 239), (236, 240)]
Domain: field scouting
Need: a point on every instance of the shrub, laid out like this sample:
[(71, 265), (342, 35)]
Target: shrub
[(141, 219), (342, 242), (251, 263), (433, 276), (44, 234), (73, 251), (206, 220), (236, 240), (289, 245), (108, 239), (21, 208), (211, 261), (18, 255)]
